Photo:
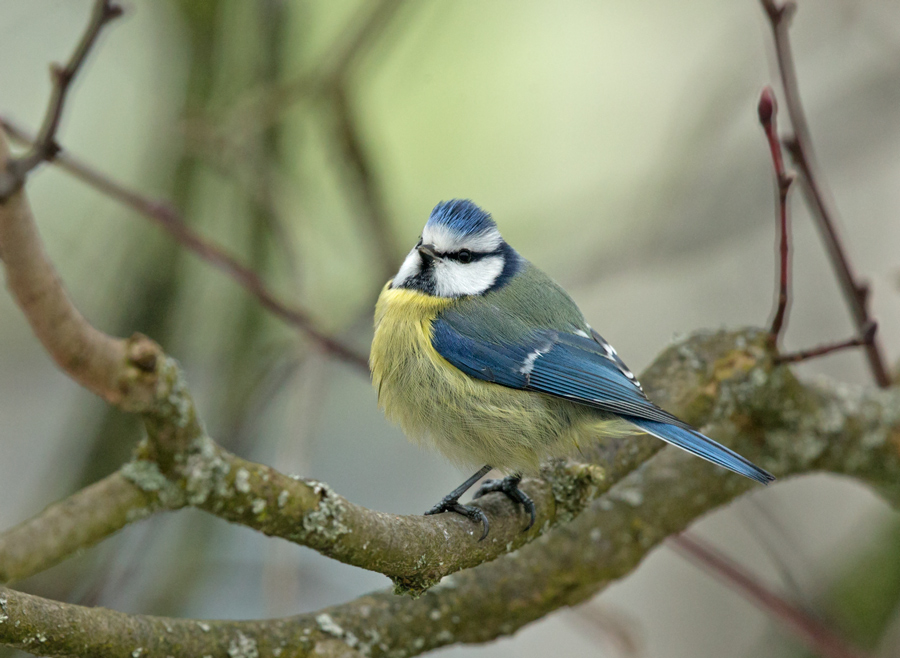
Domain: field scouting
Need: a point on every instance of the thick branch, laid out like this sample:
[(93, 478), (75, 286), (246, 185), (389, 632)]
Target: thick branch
[(785, 426), (113, 368), (415, 551)]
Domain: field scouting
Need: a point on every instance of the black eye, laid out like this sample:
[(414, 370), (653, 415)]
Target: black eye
[(464, 256)]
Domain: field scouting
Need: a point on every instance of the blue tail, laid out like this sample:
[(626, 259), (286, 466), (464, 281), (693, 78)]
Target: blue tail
[(704, 447)]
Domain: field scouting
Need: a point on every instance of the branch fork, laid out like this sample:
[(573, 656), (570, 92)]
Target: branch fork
[(45, 147), (800, 146)]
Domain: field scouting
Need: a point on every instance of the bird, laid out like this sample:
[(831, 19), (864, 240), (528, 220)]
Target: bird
[(482, 356)]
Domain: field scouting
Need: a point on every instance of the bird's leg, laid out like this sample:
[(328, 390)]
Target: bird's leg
[(510, 487), (450, 502)]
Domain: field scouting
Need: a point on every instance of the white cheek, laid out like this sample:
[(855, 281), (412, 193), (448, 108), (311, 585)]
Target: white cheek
[(410, 268), (454, 279)]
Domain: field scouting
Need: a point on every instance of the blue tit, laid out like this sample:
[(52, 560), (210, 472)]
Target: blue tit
[(481, 355)]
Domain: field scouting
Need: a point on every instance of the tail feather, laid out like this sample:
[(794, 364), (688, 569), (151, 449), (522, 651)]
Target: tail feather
[(704, 447)]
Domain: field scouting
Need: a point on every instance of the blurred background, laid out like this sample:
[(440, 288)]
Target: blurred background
[(616, 145)]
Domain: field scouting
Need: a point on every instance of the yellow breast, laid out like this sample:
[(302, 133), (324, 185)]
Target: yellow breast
[(472, 422), (401, 349)]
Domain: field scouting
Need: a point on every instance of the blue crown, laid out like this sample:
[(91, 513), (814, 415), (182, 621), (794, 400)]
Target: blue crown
[(462, 216)]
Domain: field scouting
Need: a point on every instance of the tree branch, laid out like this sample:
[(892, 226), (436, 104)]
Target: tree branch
[(867, 337), (79, 521), (815, 188), (727, 378), (768, 110), (12, 177), (115, 369), (332, 78)]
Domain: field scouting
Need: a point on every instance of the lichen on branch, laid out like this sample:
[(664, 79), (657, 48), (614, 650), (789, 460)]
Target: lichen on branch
[(730, 386)]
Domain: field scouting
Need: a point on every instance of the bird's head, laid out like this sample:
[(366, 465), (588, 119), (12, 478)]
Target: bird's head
[(459, 253)]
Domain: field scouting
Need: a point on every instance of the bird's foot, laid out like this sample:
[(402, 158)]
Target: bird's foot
[(452, 504), (510, 487)]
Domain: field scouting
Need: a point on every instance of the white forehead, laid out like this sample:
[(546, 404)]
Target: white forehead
[(447, 240)]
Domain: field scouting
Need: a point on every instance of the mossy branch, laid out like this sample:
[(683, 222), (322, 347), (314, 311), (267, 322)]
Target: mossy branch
[(784, 425)]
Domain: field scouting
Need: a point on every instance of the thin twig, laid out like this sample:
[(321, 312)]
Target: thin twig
[(862, 340), (768, 109), (813, 632), (170, 219), (45, 147), (816, 191)]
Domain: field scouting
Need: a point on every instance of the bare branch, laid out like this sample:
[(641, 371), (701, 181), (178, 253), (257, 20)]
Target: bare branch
[(164, 215), (44, 148), (768, 110), (816, 190), (814, 633), (113, 368), (866, 338), (690, 379)]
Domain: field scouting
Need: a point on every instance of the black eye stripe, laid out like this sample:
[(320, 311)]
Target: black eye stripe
[(473, 255)]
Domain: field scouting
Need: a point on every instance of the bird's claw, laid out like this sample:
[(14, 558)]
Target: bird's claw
[(472, 513), (509, 486)]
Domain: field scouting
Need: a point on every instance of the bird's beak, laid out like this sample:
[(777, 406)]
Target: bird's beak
[(427, 251)]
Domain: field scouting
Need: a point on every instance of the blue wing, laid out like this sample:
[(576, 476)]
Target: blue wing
[(584, 370)]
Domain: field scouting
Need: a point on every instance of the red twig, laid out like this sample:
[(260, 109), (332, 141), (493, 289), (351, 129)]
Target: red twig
[(168, 218), (45, 147), (816, 191), (813, 632), (768, 109), (863, 339)]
